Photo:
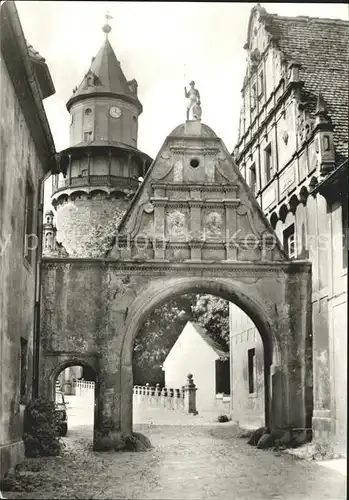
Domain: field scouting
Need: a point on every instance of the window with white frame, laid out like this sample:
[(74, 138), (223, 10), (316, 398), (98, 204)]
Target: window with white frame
[(290, 241)]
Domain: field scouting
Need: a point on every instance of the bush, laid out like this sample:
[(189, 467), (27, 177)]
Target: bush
[(40, 429), (323, 451), (223, 418)]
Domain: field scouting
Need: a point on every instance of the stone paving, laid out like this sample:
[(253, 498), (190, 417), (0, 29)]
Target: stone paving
[(203, 460)]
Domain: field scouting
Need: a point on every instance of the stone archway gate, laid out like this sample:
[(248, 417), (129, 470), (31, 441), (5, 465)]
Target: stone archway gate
[(193, 225)]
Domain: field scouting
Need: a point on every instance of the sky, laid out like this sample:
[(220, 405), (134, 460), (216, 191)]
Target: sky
[(163, 45)]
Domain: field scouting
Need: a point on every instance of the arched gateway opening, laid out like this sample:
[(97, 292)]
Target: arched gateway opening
[(73, 385), (214, 340), (229, 291), (188, 229)]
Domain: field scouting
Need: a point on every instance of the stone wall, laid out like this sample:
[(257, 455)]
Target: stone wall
[(19, 163), (84, 225), (93, 309)]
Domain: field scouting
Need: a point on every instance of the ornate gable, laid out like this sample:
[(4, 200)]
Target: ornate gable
[(194, 205)]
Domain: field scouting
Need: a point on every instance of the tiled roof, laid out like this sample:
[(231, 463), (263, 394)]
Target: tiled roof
[(204, 334), (321, 47)]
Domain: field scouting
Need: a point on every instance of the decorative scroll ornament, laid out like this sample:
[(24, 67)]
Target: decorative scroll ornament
[(148, 208)]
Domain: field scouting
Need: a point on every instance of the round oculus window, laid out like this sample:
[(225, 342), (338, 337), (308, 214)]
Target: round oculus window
[(194, 162), (88, 111)]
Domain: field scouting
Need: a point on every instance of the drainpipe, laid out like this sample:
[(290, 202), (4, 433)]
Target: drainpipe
[(36, 327)]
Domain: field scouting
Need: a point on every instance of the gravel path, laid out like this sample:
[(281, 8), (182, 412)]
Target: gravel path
[(187, 462)]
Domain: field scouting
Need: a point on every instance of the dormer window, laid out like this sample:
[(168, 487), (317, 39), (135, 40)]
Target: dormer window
[(90, 79)]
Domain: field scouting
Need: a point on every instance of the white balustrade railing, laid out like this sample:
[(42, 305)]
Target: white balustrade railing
[(173, 399), (83, 387)]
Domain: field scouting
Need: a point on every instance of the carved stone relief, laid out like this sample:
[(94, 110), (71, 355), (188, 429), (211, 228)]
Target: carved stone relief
[(176, 225), (178, 171), (213, 225)]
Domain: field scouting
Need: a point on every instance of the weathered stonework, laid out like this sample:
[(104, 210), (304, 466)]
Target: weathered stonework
[(92, 310)]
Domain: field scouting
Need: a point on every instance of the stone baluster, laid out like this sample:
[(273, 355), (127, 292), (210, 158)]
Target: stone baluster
[(171, 399), (183, 397), (165, 393), (152, 396), (162, 397), (190, 396), (177, 399), (147, 392), (157, 394)]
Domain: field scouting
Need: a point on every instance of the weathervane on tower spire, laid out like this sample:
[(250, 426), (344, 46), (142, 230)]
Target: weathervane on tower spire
[(107, 28)]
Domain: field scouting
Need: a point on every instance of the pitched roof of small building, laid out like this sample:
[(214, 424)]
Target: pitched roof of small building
[(218, 349), (320, 46)]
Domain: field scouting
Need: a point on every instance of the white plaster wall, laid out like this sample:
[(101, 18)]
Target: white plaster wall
[(191, 354), (247, 409)]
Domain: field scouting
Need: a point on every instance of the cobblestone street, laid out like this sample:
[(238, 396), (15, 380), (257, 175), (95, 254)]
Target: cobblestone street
[(195, 459)]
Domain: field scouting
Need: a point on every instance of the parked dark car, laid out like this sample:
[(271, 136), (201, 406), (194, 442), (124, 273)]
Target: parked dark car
[(61, 413)]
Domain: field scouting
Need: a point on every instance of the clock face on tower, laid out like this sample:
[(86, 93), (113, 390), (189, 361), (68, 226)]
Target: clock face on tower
[(115, 112)]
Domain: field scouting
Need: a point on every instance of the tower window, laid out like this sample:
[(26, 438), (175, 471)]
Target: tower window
[(84, 172), (251, 370), (268, 159), (88, 111), (253, 178), (87, 136), (290, 241)]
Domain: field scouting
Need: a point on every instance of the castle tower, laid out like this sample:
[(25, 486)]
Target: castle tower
[(103, 164)]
